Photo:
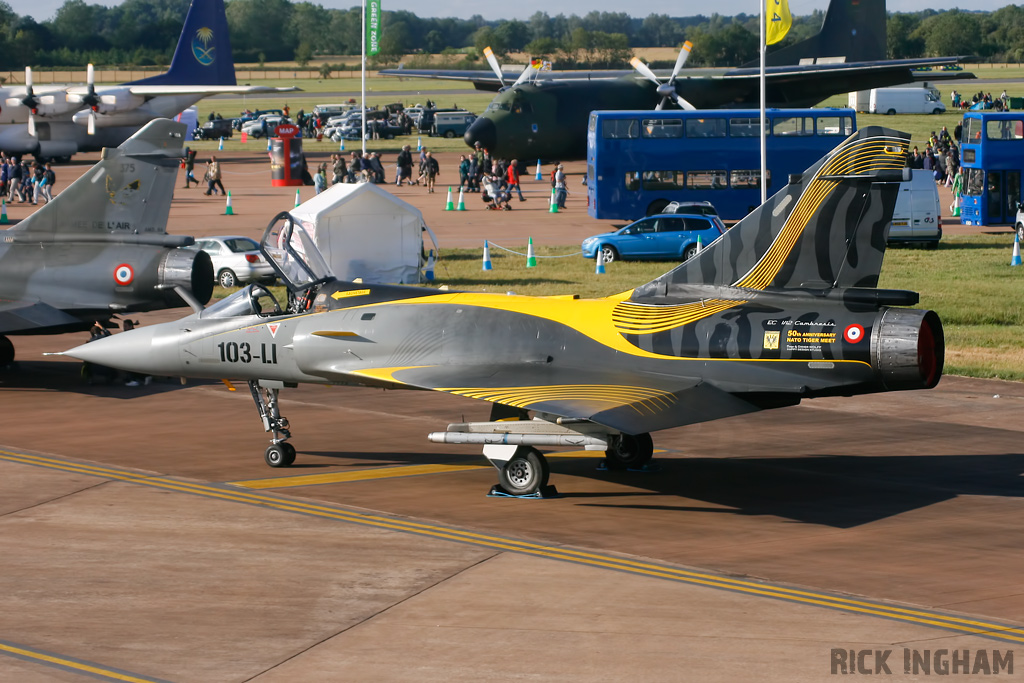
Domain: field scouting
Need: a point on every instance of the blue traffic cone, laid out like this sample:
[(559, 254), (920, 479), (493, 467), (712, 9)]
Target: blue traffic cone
[(1015, 261), (599, 270), (487, 256), (341, 146), (540, 176), (419, 144), (428, 273), (268, 145), (220, 145)]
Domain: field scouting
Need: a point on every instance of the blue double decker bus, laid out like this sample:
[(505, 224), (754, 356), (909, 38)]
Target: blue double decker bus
[(639, 161), (991, 160)]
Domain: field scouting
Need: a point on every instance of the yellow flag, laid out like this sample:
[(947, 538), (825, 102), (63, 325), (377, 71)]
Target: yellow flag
[(779, 20)]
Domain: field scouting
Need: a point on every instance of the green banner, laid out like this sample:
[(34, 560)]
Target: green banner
[(372, 27)]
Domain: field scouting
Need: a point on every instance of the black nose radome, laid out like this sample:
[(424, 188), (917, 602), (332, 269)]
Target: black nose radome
[(483, 131)]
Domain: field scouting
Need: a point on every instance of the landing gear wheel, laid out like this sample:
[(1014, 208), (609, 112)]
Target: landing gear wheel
[(6, 352), (279, 455), (629, 451), (525, 473)]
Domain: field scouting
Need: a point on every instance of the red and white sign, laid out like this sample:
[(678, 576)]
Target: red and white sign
[(124, 274), (273, 329), (853, 333), (286, 130)]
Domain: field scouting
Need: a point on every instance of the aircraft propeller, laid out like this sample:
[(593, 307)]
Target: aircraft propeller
[(493, 61), (667, 89), (91, 99), (30, 101)]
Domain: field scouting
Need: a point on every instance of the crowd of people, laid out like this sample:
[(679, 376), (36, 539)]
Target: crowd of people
[(941, 157), (26, 182), (1001, 103)]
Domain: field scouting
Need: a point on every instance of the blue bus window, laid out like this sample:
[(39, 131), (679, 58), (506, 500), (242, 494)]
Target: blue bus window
[(633, 180), (747, 179), (662, 128), (974, 181), (1012, 129), (747, 128), (663, 180), (971, 130), (706, 180), (620, 129), (706, 128), (794, 125), (835, 125)]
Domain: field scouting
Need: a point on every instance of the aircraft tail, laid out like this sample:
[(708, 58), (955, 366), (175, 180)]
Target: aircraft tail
[(853, 31), (127, 194), (203, 55), (826, 229)]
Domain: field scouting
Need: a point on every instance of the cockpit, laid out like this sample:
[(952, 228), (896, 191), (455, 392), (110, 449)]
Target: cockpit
[(295, 258)]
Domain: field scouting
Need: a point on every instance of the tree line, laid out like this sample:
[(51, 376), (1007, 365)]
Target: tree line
[(145, 32)]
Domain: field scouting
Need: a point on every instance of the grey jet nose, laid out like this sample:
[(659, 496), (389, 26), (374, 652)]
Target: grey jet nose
[(483, 131), (139, 351)]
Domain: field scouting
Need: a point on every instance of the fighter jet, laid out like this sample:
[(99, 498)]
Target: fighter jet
[(101, 247), (782, 307), (59, 121), (544, 114)]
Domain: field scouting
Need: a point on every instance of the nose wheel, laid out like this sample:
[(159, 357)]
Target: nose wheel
[(279, 453)]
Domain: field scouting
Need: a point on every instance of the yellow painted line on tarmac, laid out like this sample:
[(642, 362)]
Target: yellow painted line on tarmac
[(76, 665), (361, 475), (228, 492)]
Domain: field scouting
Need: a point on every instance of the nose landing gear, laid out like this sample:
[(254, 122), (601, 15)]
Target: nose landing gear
[(279, 453)]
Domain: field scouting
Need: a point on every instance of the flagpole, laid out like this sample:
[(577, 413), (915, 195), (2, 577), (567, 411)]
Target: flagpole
[(363, 93), (763, 47)]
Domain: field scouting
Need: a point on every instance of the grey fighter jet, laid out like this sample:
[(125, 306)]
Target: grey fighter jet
[(101, 247), (782, 307)]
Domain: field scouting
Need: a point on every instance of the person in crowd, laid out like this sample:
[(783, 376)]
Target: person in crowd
[(431, 169), (51, 178), (404, 166), (212, 176), (561, 191), (463, 172), (14, 180), (190, 165), (340, 171), (513, 179), (378, 175), (320, 179)]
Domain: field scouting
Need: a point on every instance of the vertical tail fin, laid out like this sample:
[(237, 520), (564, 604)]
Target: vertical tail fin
[(203, 55), (853, 30), (127, 193), (824, 230)]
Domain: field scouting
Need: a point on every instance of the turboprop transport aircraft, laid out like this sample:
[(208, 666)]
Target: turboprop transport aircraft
[(782, 307), (59, 121), (543, 115), (101, 246)]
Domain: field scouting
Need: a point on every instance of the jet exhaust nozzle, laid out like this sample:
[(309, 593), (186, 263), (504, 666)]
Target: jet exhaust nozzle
[(186, 268), (908, 349)]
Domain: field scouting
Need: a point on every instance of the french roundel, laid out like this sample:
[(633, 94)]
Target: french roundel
[(123, 274), (853, 333)]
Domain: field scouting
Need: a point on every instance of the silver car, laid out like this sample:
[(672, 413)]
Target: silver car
[(236, 259)]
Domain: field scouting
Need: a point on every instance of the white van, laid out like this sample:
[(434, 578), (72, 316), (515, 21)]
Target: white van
[(905, 101), (917, 215)]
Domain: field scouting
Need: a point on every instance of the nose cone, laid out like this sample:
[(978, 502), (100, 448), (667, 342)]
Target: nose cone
[(143, 350), (483, 131)]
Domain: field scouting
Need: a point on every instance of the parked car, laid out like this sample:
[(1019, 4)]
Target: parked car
[(255, 127), (236, 259), (664, 236), (246, 118), (387, 130), (214, 130)]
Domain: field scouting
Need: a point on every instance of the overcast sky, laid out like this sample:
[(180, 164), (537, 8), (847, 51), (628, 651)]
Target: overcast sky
[(42, 10)]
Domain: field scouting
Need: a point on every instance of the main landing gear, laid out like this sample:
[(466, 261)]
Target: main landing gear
[(279, 453)]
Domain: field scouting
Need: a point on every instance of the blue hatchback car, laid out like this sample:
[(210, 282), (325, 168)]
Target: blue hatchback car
[(663, 236)]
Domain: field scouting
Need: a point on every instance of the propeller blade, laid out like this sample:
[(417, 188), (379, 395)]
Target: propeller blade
[(644, 70), (31, 124), (91, 128), (684, 54), (527, 72), (661, 104), (493, 61), (683, 104), (28, 79), (90, 76)]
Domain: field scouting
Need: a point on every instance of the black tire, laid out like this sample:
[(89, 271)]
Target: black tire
[(629, 451), (932, 245), (449, 134), (936, 112), (6, 352), (656, 207), (690, 252), (610, 255), (227, 278), (891, 112), (525, 473), (276, 455), (289, 453)]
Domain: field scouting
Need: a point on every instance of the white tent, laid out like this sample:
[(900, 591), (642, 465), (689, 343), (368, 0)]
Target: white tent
[(367, 233)]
